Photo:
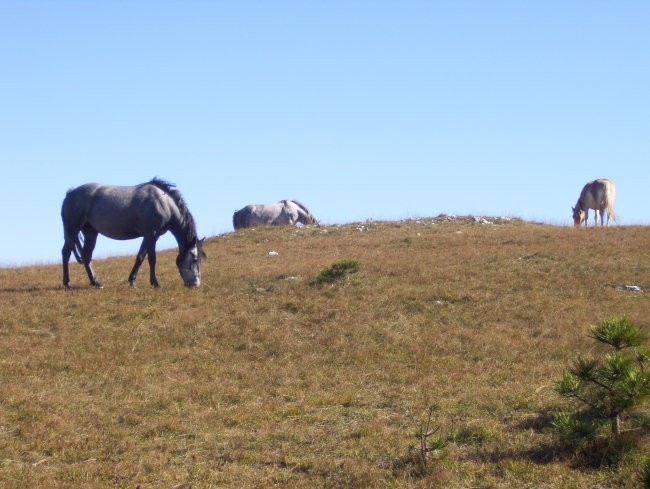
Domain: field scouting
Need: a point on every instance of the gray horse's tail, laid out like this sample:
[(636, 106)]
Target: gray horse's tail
[(71, 219), (236, 220), (76, 245), (240, 218), (76, 249)]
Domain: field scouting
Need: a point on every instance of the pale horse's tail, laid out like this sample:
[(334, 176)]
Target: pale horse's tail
[(610, 195)]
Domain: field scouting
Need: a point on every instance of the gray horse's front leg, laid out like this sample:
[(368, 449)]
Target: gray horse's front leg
[(152, 269), (151, 255), (139, 258)]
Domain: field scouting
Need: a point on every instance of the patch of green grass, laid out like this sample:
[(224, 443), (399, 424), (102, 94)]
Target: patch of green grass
[(338, 271)]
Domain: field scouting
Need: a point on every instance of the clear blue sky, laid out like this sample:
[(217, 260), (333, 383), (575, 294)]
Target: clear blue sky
[(383, 109)]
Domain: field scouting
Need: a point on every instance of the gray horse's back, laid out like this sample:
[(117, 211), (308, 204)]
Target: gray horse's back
[(119, 212), (256, 215)]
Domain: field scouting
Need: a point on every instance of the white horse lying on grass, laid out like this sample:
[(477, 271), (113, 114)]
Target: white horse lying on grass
[(277, 214)]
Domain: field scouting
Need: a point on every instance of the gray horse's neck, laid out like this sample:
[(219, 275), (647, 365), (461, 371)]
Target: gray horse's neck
[(183, 231)]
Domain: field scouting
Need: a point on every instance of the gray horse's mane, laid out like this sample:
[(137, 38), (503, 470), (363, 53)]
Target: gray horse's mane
[(186, 217), (302, 206)]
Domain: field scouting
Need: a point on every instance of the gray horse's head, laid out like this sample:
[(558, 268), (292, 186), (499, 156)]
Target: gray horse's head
[(189, 263)]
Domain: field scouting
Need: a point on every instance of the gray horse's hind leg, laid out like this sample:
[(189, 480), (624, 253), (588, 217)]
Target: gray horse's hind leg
[(90, 240), (65, 253), (70, 243)]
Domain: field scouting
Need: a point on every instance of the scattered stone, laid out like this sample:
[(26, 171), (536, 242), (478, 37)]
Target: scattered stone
[(629, 288), (482, 220)]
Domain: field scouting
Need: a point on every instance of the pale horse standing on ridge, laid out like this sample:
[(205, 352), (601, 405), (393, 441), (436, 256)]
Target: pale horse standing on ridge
[(278, 214), (598, 195)]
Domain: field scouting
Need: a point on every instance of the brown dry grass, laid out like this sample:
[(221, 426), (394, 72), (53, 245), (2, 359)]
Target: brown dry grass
[(260, 379)]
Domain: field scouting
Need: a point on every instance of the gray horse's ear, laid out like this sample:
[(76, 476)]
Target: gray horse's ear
[(199, 245)]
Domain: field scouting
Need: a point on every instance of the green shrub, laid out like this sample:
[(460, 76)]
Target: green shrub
[(337, 271)]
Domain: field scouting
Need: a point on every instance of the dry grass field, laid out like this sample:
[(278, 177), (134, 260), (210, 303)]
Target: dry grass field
[(262, 378)]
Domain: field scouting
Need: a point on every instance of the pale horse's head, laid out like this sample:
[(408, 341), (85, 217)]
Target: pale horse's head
[(578, 216)]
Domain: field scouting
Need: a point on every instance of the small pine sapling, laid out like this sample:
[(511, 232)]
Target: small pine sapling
[(609, 392)]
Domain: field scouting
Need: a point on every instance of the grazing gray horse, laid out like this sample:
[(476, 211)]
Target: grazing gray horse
[(277, 214), (598, 195), (147, 210)]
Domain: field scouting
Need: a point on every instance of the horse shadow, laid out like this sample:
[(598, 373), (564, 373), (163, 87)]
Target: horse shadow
[(30, 289), (546, 452)]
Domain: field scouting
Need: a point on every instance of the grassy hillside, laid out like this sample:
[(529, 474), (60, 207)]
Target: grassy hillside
[(262, 378)]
